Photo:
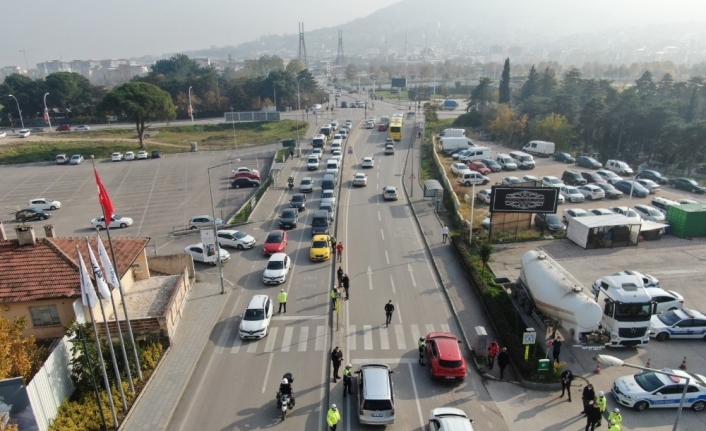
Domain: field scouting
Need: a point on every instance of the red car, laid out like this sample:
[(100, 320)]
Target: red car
[(479, 167), (243, 174), (64, 128), (445, 358), (276, 242), (382, 127)]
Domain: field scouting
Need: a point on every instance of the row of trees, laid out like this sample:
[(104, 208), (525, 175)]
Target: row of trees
[(660, 120)]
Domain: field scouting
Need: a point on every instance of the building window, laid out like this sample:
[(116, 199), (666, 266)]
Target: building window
[(45, 316)]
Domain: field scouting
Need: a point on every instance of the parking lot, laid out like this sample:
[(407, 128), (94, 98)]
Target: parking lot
[(160, 195)]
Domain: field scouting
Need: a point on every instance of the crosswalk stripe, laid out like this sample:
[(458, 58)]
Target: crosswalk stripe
[(252, 347), (384, 341), (399, 335), (430, 328), (236, 344), (303, 336), (415, 331), (287, 340), (367, 337), (445, 327), (223, 339), (319, 345), (271, 337), (351, 337)]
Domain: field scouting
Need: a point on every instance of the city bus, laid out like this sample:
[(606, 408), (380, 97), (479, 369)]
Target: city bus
[(395, 130)]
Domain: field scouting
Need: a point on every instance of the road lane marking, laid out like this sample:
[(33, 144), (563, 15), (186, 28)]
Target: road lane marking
[(416, 397), (252, 347), (388, 361), (320, 332), (430, 328), (303, 337), (367, 337), (267, 373), (384, 341), (287, 339), (382, 234), (351, 337), (370, 278), (399, 335), (392, 283), (445, 327), (236, 344), (149, 198), (387, 258), (321, 316), (411, 275), (271, 338), (379, 218), (415, 331)]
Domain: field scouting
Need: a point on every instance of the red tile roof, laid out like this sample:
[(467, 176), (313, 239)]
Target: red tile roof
[(49, 269)]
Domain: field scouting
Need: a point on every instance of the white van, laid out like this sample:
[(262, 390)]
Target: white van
[(332, 166), (473, 178), (319, 141), (663, 204), (539, 148), (451, 143), (452, 133), (506, 162), (476, 153), (523, 160)]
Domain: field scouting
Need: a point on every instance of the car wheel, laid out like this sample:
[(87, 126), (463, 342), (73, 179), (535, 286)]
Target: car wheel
[(237, 186), (240, 247), (43, 217), (662, 336), (123, 225), (674, 186), (698, 406), (693, 190), (52, 208), (589, 198), (100, 227), (640, 406), (431, 372), (192, 227), (485, 182)]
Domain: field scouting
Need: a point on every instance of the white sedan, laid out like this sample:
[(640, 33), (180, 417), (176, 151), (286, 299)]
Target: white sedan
[(142, 155), (389, 193), (116, 157), (235, 239), (328, 196), (277, 269), (551, 181), (245, 169), (369, 125), (3, 134), (647, 212), (572, 194), (44, 204), (458, 168), (572, 213), (200, 253), (360, 180), (627, 212), (654, 390), (368, 162), (129, 155), (484, 196), (24, 133), (591, 192), (449, 418), (115, 221)]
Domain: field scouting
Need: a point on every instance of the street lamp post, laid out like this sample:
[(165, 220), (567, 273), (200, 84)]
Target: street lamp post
[(46, 112), (299, 108), (191, 109), (612, 360), (215, 229), (19, 110), (232, 120)]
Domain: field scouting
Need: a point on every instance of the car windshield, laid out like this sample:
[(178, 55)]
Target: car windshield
[(275, 264), (692, 182), (648, 381), (288, 214), (240, 235), (319, 222), (297, 198), (274, 238), (580, 214), (553, 219), (306, 182), (450, 364), (652, 212), (572, 190), (377, 405), (632, 213), (320, 244), (633, 312), (553, 180), (606, 186), (669, 318), (254, 314)]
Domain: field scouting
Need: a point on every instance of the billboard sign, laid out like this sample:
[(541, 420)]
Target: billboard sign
[(209, 245), (524, 199), (399, 83)]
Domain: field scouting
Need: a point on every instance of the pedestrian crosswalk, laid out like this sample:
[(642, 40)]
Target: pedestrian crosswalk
[(292, 339)]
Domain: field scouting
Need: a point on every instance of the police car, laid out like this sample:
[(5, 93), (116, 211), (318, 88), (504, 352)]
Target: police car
[(654, 390), (682, 323)]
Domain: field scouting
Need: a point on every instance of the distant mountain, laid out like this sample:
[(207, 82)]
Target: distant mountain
[(470, 27)]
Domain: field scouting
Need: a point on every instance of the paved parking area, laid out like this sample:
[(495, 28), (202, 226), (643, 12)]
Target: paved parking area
[(160, 195)]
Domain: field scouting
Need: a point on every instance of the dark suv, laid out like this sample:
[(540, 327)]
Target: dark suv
[(573, 178), (592, 177)]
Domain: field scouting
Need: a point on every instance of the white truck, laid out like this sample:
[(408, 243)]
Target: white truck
[(539, 148), (451, 143), (469, 178), (452, 133), (618, 316)]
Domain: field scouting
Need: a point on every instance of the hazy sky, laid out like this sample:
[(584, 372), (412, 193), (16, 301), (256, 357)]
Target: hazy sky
[(97, 29)]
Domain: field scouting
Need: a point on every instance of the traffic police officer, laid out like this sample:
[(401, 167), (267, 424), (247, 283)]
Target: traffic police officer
[(333, 417), (282, 298)]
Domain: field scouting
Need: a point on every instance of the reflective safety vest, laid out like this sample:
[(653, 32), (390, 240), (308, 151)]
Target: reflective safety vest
[(332, 417), (282, 297), (601, 402), (614, 427), (421, 344), (615, 417), (334, 293)]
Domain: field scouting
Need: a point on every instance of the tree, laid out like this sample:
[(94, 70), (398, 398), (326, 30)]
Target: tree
[(508, 124), (485, 251), (295, 66), (531, 87), (141, 102), (19, 356), (482, 95), (554, 128), (178, 67), (504, 91), (351, 73)]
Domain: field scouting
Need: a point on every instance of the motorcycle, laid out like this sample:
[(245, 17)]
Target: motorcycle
[(290, 181), (285, 401)]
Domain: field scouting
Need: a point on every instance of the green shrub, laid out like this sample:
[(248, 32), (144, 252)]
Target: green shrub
[(150, 356)]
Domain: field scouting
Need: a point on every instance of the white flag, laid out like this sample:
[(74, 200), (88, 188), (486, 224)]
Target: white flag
[(110, 274), (98, 273), (88, 293)]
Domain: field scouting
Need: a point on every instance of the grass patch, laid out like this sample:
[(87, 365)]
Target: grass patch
[(404, 95)]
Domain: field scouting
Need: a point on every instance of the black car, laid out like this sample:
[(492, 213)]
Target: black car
[(610, 191), (289, 218), (688, 184), (564, 158), (156, 154), (654, 176), (245, 182), (492, 165), (298, 201), (592, 177), (636, 188), (549, 222), (588, 162), (450, 153), (573, 178), (31, 214)]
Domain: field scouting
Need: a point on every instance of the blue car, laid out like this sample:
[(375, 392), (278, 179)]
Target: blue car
[(637, 189)]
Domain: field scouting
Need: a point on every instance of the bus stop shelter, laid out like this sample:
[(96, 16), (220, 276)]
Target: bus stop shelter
[(433, 189)]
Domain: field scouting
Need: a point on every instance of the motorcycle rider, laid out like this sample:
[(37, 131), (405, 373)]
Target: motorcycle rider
[(285, 388)]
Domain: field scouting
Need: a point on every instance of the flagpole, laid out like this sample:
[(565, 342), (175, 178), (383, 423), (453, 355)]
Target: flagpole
[(120, 336), (120, 288), (100, 354), (82, 337), (109, 339)]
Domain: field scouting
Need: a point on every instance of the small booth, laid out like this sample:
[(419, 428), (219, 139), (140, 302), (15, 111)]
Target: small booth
[(606, 231), (433, 189), (652, 231)]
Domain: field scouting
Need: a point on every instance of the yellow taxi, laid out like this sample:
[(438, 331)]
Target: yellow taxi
[(320, 248)]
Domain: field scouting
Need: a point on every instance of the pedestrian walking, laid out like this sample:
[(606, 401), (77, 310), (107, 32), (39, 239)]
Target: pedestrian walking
[(346, 284), (589, 394), (566, 377), (333, 417), (556, 349), (444, 234), (340, 273), (616, 416), (613, 426), (332, 241), (389, 308), (282, 298), (503, 361), (336, 359), (339, 250), (593, 416), (422, 345), (419, 135), (601, 403), (334, 296), (347, 380), (493, 350)]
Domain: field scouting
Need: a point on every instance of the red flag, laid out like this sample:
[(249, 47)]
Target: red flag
[(104, 199)]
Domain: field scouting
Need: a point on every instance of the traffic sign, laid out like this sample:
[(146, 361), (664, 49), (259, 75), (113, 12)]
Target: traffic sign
[(350, 151), (411, 177), (529, 338)]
